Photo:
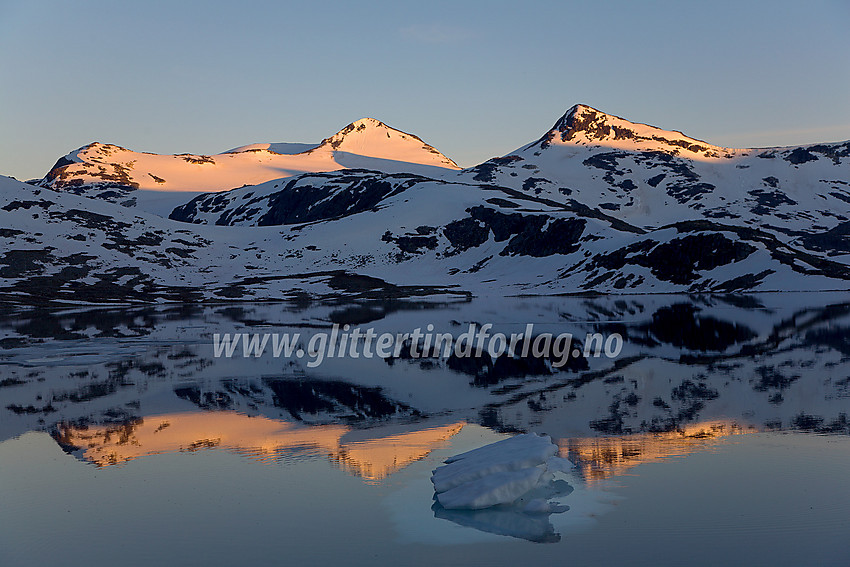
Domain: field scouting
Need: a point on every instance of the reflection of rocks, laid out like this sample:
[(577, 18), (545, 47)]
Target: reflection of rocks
[(817, 424), (314, 401), (41, 324), (682, 325), (773, 379), (833, 337), (486, 370), (336, 398), (360, 313)]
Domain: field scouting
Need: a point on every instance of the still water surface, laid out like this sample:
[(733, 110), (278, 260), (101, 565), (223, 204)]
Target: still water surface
[(718, 436)]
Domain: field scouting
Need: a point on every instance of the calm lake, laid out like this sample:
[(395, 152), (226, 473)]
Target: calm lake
[(717, 434)]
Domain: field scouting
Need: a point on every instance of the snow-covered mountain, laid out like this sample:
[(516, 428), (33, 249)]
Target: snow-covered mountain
[(651, 177), (596, 204), (158, 183)]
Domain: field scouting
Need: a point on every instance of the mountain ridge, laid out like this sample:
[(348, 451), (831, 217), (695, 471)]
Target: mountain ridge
[(606, 207), (117, 174)]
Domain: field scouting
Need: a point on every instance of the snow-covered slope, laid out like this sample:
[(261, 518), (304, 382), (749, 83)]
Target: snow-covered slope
[(158, 183), (360, 233), (651, 177)]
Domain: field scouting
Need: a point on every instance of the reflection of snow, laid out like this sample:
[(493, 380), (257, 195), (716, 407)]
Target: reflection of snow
[(372, 455), (599, 458)]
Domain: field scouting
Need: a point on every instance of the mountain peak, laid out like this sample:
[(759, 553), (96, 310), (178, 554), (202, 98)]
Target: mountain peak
[(585, 125), (359, 129), (368, 121), (575, 113), (370, 137), (583, 121)]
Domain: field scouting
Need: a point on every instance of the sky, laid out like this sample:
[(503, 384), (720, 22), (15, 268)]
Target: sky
[(473, 79)]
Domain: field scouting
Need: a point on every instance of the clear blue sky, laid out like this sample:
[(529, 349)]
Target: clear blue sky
[(474, 79)]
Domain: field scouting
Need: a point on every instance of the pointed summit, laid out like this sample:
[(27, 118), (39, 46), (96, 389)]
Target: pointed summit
[(370, 137), (582, 118), (356, 132), (584, 125)]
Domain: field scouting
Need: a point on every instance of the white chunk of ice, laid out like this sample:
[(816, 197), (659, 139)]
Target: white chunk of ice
[(501, 446), (529, 451), (498, 488), (501, 473)]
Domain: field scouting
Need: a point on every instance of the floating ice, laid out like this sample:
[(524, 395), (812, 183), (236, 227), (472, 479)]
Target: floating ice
[(498, 488), (516, 471)]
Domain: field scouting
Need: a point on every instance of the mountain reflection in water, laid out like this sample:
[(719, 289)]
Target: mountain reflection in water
[(259, 438), (111, 385)]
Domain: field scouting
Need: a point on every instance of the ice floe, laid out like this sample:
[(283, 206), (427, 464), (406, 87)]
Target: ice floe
[(518, 472)]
